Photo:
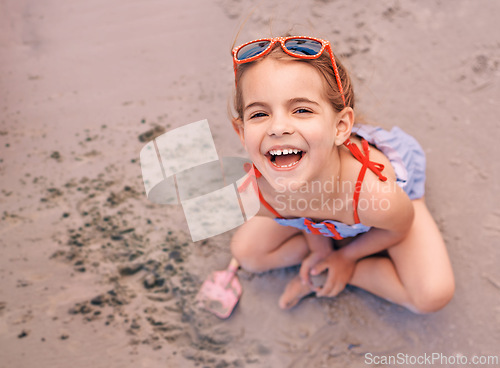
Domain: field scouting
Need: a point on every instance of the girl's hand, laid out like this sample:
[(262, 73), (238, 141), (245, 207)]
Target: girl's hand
[(309, 262), (340, 270)]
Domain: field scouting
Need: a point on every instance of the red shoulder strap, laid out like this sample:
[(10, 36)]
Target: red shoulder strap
[(249, 180), (375, 167)]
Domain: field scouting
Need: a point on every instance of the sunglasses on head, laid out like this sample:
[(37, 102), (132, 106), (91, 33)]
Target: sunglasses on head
[(297, 46)]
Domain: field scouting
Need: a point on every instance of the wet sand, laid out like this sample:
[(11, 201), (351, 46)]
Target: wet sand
[(93, 274)]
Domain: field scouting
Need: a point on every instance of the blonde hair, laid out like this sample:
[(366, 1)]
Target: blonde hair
[(322, 64)]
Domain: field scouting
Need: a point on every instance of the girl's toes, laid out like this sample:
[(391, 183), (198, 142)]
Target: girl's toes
[(293, 293)]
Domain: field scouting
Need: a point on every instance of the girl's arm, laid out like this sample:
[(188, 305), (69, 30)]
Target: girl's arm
[(319, 248), (390, 215)]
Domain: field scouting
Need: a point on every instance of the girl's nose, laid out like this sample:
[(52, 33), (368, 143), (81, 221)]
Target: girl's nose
[(279, 125)]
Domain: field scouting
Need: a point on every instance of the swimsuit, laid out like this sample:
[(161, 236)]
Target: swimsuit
[(406, 157)]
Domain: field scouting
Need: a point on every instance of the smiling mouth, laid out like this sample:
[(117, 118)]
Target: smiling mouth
[(283, 158)]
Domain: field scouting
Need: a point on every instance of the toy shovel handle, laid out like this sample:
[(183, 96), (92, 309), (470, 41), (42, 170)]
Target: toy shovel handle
[(231, 271), (233, 265)]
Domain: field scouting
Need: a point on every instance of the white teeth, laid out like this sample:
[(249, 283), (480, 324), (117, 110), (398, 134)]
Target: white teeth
[(284, 152), (289, 165)]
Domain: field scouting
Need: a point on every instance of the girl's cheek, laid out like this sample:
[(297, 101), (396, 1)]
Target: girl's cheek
[(250, 146)]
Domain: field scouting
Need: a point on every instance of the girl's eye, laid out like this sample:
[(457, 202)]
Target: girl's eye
[(303, 110), (258, 115)]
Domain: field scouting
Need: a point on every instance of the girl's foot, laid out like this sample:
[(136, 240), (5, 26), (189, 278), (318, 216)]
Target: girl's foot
[(293, 293)]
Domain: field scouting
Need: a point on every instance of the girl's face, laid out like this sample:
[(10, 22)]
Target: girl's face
[(290, 130)]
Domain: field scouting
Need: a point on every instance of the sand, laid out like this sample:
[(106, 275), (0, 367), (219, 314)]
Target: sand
[(92, 274)]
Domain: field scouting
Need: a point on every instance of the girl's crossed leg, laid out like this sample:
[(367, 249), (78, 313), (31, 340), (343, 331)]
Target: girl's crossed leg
[(261, 244), (417, 274)]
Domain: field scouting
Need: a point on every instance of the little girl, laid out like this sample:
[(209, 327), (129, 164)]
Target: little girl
[(337, 196)]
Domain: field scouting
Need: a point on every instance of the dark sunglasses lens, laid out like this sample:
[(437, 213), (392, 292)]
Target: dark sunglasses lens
[(251, 50), (300, 46)]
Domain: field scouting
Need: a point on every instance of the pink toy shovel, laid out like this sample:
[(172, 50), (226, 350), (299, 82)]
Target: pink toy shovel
[(221, 291)]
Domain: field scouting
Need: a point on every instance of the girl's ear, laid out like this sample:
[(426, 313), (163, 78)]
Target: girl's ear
[(238, 128), (345, 121)]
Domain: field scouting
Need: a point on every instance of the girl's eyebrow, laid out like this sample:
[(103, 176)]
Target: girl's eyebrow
[(253, 104), (301, 100)]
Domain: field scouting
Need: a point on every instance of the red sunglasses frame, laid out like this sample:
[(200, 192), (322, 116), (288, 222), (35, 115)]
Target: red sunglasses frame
[(324, 45)]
